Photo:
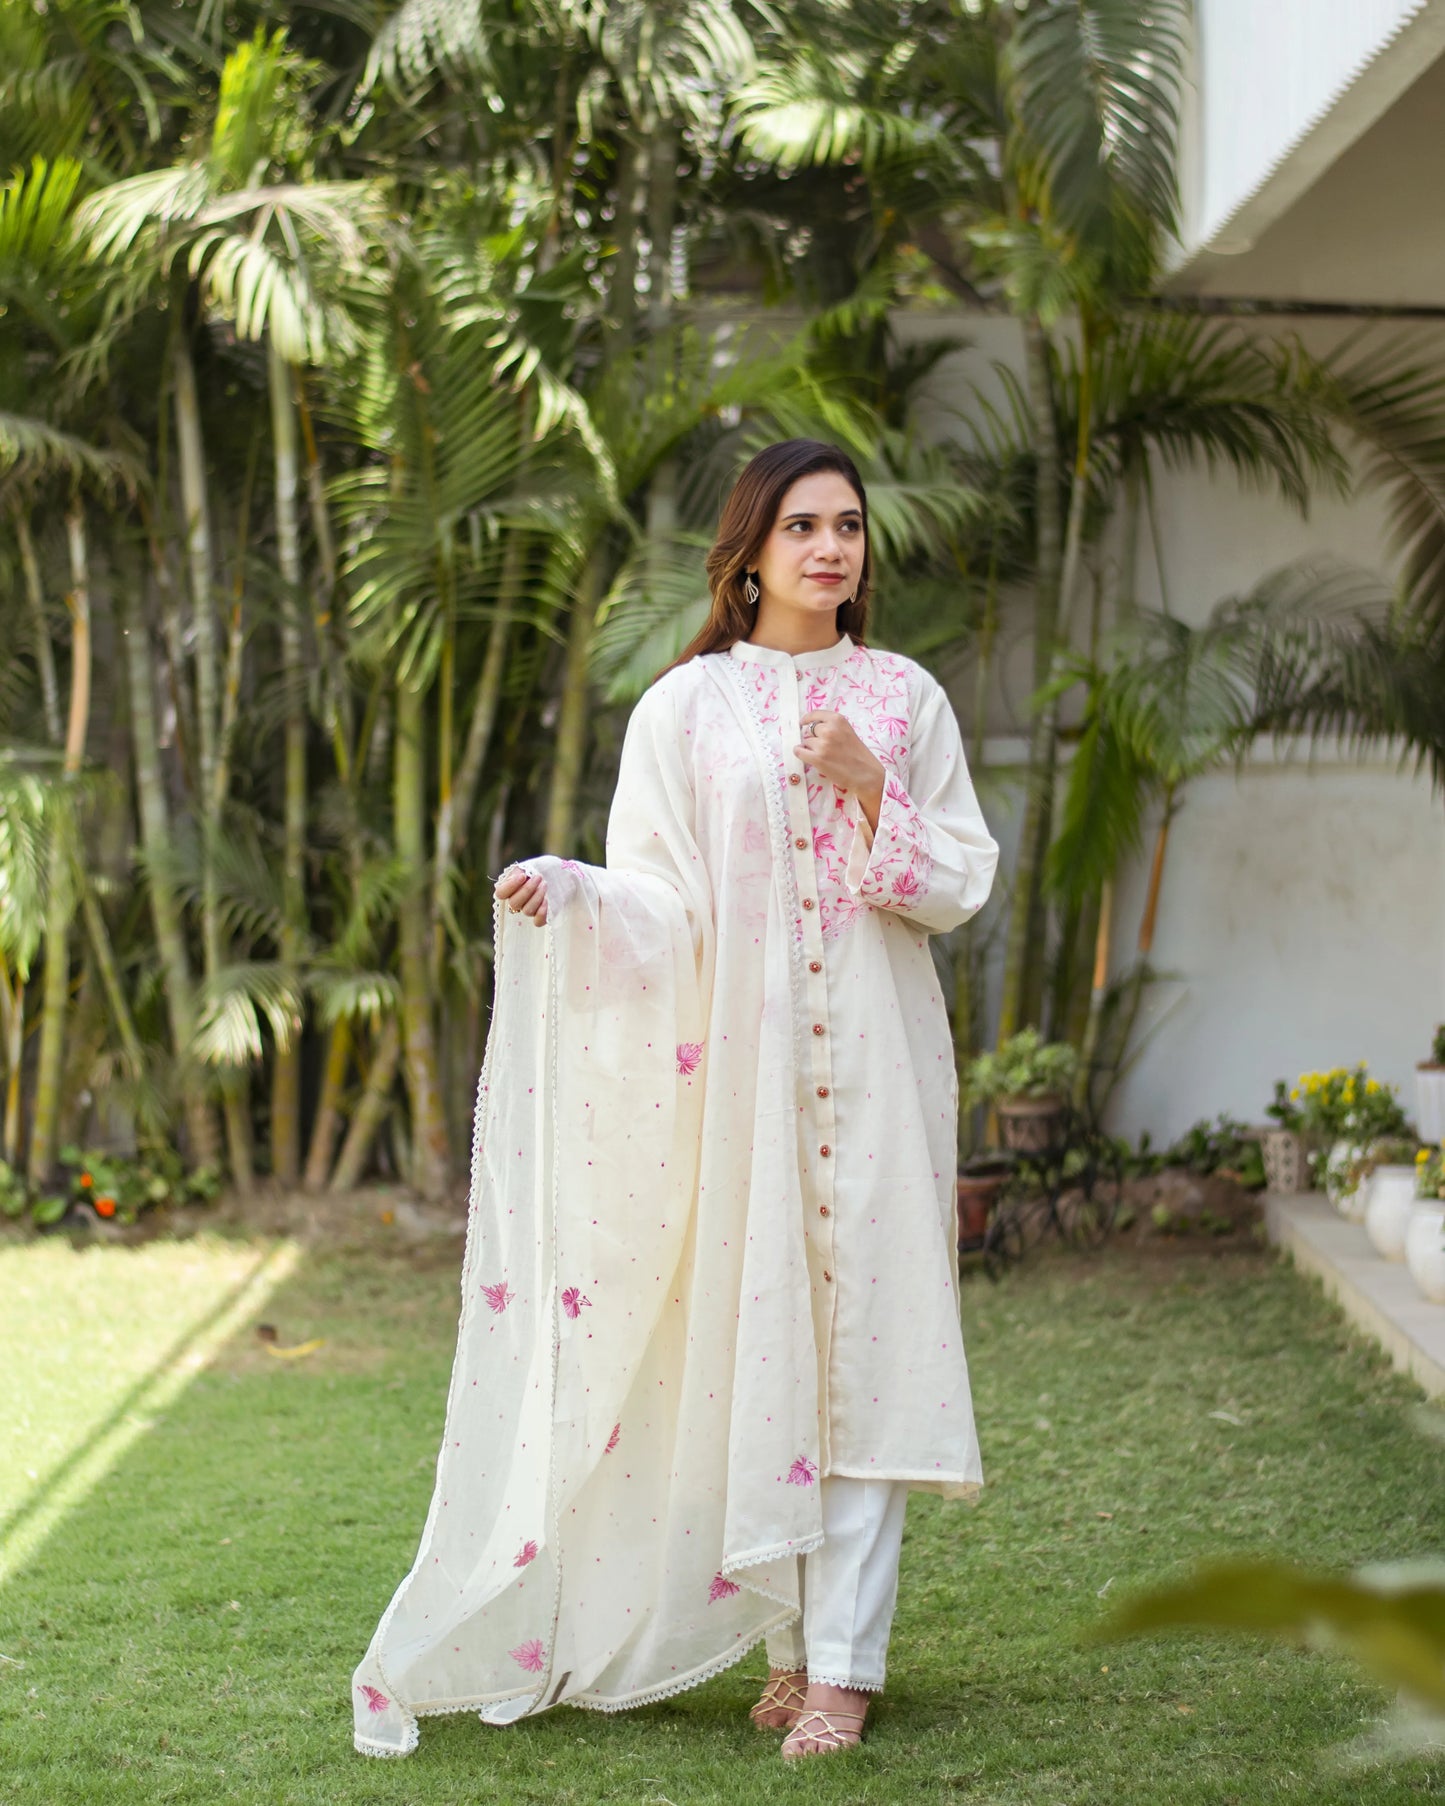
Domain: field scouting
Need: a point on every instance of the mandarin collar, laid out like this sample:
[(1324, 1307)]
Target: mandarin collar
[(800, 661)]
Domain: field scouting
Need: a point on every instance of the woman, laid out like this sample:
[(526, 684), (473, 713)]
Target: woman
[(709, 1334)]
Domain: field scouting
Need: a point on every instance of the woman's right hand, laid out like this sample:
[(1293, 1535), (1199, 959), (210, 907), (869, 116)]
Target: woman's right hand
[(524, 893)]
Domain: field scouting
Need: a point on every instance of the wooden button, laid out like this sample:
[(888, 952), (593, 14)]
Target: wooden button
[(822, 1210), (817, 1028), (825, 1150), (815, 965), (793, 778), (807, 902), (822, 1091), (800, 842)]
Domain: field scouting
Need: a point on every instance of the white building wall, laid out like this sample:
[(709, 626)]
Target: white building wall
[(1303, 910), (1263, 76)]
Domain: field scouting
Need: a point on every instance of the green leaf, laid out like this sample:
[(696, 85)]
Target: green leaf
[(1392, 1620)]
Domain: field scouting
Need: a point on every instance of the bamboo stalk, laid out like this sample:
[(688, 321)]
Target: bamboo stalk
[(213, 770), (153, 809), (1098, 989), (104, 955), (326, 1125), (571, 744), (431, 1155), (1156, 877), (196, 507), (328, 623), (286, 1071), (370, 1113), (14, 1028), (1019, 951), (454, 817), (55, 994), (44, 650)]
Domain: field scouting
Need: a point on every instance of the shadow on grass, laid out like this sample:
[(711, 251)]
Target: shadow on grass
[(163, 1378)]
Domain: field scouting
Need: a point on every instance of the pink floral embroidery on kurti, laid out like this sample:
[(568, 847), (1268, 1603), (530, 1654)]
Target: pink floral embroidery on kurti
[(573, 1302), (530, 1655), (900, 862), (689, 1054), (721, 1588), (803, 1472), (376, 1700), (871, 691), (498, 1296), (528, 1552), (612, 1440)]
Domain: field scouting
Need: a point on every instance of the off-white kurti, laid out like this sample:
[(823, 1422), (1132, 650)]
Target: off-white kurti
[(710, 1253)]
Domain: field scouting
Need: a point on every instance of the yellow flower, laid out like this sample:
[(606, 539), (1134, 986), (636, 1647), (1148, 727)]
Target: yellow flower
[(1421, 1156)]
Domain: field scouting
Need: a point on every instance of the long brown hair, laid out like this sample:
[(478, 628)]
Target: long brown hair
[(747, 519)]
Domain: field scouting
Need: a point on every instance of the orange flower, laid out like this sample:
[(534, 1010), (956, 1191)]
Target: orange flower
[(105, 1207), (85, 1179)]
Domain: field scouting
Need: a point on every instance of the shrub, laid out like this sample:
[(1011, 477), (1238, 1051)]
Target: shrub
[(1023, 1066)]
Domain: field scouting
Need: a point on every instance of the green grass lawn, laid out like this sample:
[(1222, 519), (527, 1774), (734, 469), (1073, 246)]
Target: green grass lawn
[(197, 1539)]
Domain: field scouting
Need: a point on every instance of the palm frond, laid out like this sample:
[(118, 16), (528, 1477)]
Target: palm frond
[(233, 1004), (1390, 400), (658, 601), (1101, 818), (1202, 391), (36, 449), (355, 996), (807, 112), (1096, 87)]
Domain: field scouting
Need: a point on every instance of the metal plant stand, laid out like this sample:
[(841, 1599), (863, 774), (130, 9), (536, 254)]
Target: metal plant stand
[(1071, 1188)]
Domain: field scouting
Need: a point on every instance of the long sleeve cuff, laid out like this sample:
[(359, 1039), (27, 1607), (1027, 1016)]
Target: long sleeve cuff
[(890, 867)]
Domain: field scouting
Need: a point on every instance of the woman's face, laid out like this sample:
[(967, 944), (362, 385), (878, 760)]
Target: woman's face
[(813, 557)]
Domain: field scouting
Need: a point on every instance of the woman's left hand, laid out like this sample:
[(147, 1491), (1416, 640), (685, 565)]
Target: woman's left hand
[(834, 750)]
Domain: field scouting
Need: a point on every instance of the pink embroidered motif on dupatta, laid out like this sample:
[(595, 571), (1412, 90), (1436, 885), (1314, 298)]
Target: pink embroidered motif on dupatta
[(710, 1244)]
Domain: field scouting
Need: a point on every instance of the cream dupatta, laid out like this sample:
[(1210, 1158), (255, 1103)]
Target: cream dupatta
[(628, 1469)]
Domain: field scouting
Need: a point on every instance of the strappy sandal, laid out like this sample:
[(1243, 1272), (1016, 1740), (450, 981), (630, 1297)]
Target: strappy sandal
[(781, 1694), (823, 1728)]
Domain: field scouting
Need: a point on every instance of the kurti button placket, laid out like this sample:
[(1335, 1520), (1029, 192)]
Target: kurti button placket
[(818, 1125)]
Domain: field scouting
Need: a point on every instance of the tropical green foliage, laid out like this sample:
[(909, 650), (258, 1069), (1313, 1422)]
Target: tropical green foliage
[(367, 391)]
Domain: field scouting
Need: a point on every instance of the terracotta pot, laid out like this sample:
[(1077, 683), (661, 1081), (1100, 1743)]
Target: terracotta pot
[(977, 1194), (1028, 1125)]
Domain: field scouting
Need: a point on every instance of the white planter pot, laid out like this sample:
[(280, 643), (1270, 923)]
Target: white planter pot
[(1390, 1202), (1430, 1102), (1338, 1180), (1425, 1249)]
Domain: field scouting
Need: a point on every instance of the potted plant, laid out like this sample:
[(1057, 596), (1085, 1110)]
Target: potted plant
[(980, 1180), (1425, 1234), (1388, 1194), (1430, 1090), (1344, 1110), (1028, 1082)]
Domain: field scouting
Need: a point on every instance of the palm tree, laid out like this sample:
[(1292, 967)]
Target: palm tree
[(269, 251)]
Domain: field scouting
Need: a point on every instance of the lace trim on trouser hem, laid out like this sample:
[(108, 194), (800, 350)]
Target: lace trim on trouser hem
[(825, 1679)]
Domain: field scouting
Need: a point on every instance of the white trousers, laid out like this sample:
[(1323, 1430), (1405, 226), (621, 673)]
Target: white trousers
[(849, 1586)]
